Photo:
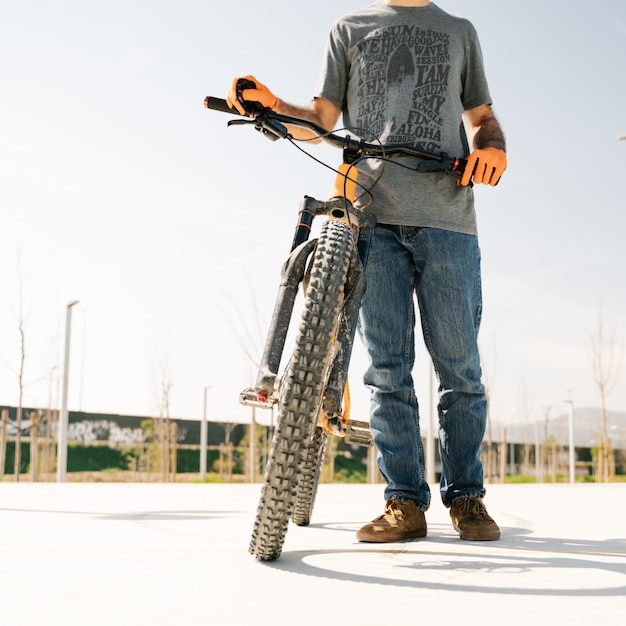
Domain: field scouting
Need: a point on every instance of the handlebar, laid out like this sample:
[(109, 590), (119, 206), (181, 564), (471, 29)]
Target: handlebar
[(274, 126)]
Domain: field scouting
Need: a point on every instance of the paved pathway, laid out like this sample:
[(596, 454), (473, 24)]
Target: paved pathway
[(122, 554)]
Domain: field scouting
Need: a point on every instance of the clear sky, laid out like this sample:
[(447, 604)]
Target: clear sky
[(119, 190)]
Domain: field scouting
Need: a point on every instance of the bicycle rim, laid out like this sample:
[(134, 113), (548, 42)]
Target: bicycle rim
[(302, 390)]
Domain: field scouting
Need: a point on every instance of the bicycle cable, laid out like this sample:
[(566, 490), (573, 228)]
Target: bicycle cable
[(366, 191)]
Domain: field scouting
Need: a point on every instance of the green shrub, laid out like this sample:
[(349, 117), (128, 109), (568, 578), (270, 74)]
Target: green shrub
[(9, 459), (96, 458), (350, 470)]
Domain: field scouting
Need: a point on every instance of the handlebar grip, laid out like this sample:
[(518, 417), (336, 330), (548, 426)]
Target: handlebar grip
[(458, 169), (219, 104), (459, 165)]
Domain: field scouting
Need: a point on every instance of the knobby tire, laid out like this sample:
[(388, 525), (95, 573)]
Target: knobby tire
[(302, 389), (309, 478)]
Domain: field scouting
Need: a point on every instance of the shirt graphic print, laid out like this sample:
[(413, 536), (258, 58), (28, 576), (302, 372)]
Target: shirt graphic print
[(402, 85)]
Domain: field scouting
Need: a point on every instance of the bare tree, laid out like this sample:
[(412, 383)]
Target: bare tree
[(544, 461), (21, 317), (19, 373), (248, 338), (606, 360), (20, 382), (164, 429), (4, 419), (525, 403)]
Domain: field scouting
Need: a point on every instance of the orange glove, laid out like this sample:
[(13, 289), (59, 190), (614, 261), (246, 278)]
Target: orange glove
[(486, 165), (249, 91)]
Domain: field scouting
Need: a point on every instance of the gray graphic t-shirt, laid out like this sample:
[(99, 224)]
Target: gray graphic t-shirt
[(405, 75)]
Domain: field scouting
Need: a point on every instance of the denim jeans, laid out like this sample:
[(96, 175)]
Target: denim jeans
[(442, 269)]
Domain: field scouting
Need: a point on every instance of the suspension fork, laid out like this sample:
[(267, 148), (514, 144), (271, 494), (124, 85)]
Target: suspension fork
[(292, 275)]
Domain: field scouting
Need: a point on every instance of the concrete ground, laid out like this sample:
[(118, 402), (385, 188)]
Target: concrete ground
[(160, 554)]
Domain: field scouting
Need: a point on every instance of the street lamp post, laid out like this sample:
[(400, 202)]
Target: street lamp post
[(63, 415), (572, 449), (203, 436)]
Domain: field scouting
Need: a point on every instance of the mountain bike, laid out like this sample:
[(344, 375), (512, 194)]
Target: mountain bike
[(311, 392)]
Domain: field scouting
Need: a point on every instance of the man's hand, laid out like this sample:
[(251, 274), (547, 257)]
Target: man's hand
[(242, 92), (486, 165)]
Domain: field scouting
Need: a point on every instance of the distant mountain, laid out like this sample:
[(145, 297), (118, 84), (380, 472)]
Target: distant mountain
[(587, 427)]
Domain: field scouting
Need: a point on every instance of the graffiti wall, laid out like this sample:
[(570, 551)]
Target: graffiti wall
[(119, 429)]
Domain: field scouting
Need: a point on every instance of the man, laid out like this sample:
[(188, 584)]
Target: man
[(405, 71)]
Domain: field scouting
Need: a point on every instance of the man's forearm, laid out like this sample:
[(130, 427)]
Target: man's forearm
[(294, 110), (489, 135)]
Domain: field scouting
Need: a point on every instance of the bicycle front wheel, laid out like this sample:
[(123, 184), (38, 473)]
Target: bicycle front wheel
[(303, 387), (309, 477)]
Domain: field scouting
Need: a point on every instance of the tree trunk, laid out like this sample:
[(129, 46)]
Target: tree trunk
[(3, 440)]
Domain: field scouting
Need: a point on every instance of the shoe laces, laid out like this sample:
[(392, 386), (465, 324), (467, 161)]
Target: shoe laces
[(473, 507), (396, 509)]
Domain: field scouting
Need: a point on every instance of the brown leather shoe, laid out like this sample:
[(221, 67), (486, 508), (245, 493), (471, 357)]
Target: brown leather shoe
[(400, 521), (471, 520)]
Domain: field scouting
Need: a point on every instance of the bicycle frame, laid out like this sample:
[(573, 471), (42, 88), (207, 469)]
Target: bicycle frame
[(310, 394)]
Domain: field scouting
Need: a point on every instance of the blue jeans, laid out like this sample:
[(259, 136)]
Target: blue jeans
[(443, 269)]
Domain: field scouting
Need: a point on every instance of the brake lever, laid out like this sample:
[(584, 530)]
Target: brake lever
[(240, 122), (272, 129)]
